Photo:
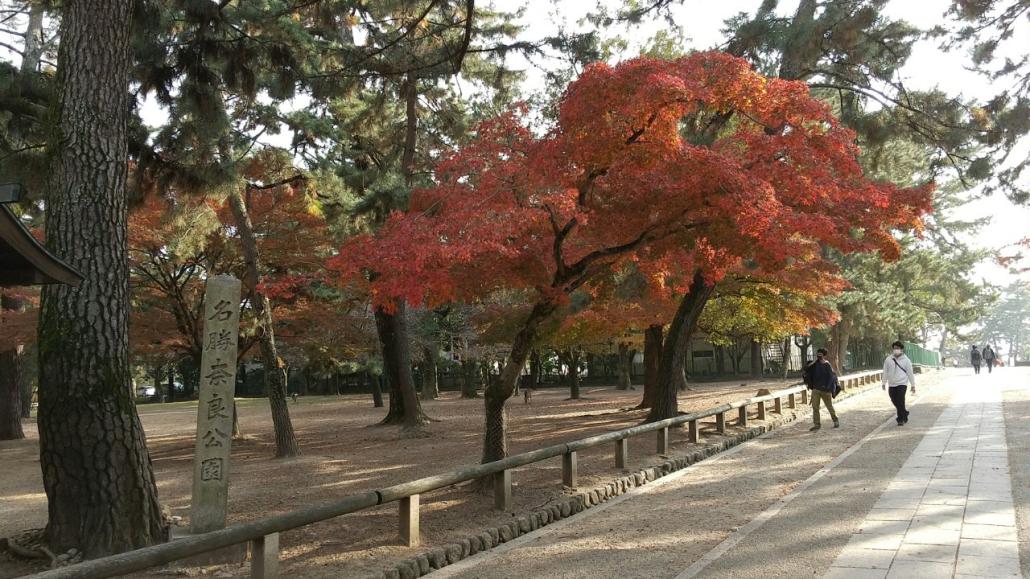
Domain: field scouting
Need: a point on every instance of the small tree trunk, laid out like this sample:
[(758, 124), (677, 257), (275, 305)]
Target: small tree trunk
[(11, 380), (10, 395), (573, 358), (681, 330), (653, 340), (405, 408), (377, 391), (275, 369), (430, 374), (720, 360), (469, 379), (756, 359), (625, 362), (495, 441), (535, 368), (171, 383), (840, 336)]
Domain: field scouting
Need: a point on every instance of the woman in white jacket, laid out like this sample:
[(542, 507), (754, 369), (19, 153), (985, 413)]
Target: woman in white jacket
[(897, 377)]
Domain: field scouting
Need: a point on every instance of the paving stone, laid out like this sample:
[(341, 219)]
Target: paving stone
[(988, 566)]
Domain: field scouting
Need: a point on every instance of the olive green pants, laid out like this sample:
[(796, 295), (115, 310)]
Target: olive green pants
[(820, 396)]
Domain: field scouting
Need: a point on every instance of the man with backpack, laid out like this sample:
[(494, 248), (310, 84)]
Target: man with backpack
[(897, 377), (975, 358), (822, 381), (989, 357)]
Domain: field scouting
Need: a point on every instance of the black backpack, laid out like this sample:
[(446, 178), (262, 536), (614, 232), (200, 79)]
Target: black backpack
[(806, 374)]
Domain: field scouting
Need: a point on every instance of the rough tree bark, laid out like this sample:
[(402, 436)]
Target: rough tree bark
[(405, 408), (274, 367), (653, 340), (109, 503), (625, 367), (682, 328)]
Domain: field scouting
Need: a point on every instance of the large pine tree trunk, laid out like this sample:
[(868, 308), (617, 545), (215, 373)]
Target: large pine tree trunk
[(108, 503), (653, 340), (682, 328), (405, 408), (274, 367), (497, 393), (624, 369)]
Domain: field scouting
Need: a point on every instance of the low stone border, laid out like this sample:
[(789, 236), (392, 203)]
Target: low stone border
[(440, 557)]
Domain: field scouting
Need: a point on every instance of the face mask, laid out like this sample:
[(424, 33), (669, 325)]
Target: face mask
[(897, 352)]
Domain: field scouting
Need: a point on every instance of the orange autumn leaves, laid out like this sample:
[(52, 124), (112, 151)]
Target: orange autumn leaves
[(698, 163)]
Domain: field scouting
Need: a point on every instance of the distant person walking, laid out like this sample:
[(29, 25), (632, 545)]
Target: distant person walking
[(989, 357), (897, 377), (822, 381), (975, 358)]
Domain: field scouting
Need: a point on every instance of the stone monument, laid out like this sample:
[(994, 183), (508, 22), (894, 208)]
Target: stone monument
[(215, 404)]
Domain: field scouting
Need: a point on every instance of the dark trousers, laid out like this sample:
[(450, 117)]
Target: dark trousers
[(976, 367), (898, 399), (990, 365)]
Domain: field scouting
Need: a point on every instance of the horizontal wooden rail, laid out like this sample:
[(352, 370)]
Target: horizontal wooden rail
[(263, 534)]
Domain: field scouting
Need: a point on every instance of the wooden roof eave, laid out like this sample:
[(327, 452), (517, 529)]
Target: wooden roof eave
[(36, 266)]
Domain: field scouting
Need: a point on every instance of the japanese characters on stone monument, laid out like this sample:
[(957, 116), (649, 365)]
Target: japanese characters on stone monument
[(215, 405)]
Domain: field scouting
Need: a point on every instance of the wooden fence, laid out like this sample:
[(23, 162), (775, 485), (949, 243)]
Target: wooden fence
[(263, 534)]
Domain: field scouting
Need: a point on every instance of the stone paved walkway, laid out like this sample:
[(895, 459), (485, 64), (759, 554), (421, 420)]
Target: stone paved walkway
[(949, 511)]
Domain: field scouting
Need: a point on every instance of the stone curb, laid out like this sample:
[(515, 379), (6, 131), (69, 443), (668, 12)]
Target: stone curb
[(439, 557)]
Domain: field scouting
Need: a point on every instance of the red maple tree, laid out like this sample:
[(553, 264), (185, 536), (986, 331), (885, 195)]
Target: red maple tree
[(698, 161)]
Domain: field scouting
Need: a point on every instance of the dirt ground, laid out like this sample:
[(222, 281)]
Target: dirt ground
[(343, 454)]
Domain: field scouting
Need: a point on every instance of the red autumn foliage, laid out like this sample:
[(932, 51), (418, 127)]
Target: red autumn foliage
[(617, 175)]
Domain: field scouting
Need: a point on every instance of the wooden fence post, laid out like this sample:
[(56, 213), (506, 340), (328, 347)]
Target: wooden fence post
[(408, 510), (792, 401), (761, 410), (692, 433), (621, 452), (569, 469), (720, 422), (264, 562), (663, 441), (502, 490), (742, 416)]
